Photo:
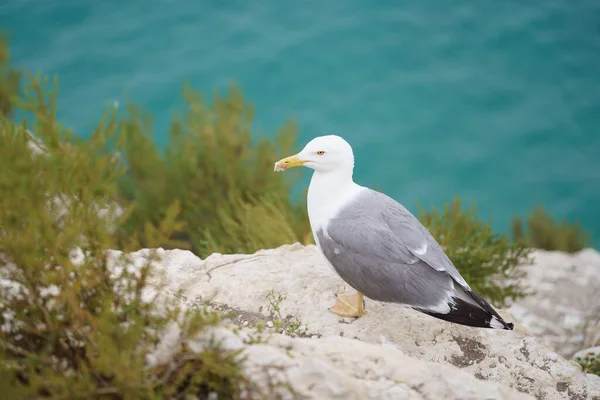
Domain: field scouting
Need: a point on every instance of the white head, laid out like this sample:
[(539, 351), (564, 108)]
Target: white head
[(322, 154)]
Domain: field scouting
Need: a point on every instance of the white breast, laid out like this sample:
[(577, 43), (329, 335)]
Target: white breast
[(326, 198)]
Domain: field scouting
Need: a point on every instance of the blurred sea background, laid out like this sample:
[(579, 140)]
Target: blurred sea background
[(496, 101)]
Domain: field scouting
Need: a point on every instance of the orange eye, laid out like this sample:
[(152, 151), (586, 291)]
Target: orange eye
[(321, 152)]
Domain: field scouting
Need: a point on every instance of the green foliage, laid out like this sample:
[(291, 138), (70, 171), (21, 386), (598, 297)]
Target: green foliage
[(590, 363), (485, 259), (230, 198), (9, 80), (75, 322), (546, 233)]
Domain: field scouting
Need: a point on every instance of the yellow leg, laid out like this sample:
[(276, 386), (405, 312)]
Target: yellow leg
[(349, 306)]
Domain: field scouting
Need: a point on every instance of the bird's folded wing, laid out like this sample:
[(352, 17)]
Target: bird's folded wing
[(386, 230)]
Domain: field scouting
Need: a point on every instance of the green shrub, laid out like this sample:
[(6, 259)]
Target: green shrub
[(590, 363), (545, 233), (9, 79), (231, 200), (73, 325), (485, 259)]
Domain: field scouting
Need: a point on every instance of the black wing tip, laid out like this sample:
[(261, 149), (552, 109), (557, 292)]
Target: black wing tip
[(464, 313)]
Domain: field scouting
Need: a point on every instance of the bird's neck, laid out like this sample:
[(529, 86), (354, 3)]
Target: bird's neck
[(328, 193)]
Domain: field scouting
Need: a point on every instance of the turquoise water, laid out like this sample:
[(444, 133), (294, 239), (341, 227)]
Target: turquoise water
[(493, 100)]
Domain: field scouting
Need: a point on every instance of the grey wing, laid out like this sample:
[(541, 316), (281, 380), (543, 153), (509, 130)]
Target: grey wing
[(384, 260), (379, 247), (371, 260), (415, 236)]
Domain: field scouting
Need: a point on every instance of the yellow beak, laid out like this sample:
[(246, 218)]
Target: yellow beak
[(288, 162)]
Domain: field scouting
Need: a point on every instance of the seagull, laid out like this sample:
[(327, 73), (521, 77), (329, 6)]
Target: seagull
[(378, 247)]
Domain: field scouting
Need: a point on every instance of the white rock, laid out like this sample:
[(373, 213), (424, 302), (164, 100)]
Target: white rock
[(449, 354), (340, 368), (564, 311)]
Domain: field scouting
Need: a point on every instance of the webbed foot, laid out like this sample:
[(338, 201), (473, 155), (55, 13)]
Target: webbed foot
[(349, 306)]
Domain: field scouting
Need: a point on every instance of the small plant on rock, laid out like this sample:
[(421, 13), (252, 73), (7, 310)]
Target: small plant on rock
[(590, 363), (290, 325)]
